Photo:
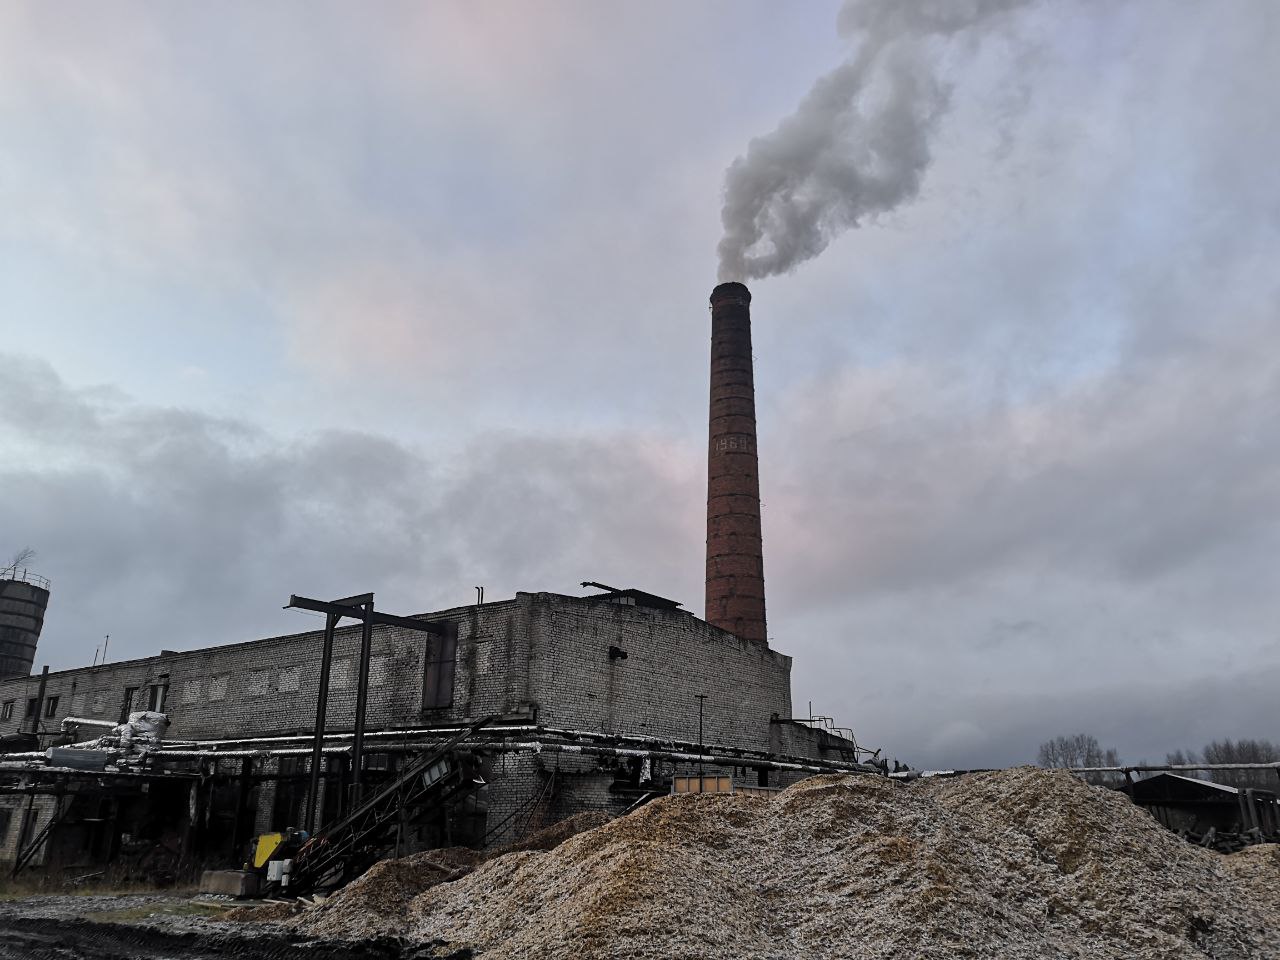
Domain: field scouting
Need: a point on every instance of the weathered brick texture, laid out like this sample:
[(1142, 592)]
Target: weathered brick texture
[(539, 652), (735, 568), (542, 656)]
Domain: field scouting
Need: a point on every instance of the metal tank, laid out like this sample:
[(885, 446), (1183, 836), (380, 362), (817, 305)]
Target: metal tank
[(23, 599)]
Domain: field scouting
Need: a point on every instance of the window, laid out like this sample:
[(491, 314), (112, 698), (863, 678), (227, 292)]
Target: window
[(51, 707), (33, 704), (126, 705), (6, 815), (6, 713), (218, 687), (437, 681), (158, 695), (290, 679)]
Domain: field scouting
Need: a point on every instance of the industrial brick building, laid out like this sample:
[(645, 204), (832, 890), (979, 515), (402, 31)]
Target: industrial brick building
[(587, 703), (623, 666)]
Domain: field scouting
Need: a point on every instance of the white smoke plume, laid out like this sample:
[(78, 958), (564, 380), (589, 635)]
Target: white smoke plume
[(857, 145)]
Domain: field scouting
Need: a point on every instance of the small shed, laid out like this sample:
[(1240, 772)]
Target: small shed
[(1195, 806)]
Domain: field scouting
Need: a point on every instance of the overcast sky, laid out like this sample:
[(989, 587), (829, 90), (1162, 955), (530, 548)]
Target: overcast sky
[(410, 297)]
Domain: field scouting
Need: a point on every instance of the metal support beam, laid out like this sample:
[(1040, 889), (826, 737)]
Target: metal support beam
[(359, 607), (54, 819), (244, 790), (322, 709), (357, 613), (362, 704)]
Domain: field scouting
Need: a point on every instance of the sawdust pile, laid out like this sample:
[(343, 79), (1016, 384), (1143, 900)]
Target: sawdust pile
[(1014, 864), (548, 838), (1258, 868), (376, 903), (273, 911)]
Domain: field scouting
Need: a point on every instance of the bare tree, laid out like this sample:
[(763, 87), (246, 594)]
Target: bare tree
[(1243, 751), (1079, 750), (1233, 751), (1187, 758), (17, 561)]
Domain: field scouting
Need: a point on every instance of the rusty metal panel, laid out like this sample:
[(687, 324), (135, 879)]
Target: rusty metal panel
[(767, 792), (702, 785)]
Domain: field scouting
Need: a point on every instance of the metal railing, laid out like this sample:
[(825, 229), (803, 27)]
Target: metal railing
[(23, 576)]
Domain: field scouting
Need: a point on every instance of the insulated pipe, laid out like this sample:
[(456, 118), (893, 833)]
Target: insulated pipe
[(534, 746), (745, 757), (421, 731), (86, 722)]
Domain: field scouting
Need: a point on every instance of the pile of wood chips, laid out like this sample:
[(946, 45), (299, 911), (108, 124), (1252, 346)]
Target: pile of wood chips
[(376, 904), (1013, 864)]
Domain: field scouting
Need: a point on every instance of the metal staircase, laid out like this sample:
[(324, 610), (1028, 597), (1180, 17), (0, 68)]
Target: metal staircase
[(347, 847)]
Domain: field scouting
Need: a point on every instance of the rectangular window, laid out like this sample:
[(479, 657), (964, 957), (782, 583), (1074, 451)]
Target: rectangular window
[(6, 817), (33, 705), (158, 695), (6, 712), (51, 707), (218, 687), (437, 682), (126, 705)]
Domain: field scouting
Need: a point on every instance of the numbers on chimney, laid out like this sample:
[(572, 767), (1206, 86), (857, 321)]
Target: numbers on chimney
[(734, 443)]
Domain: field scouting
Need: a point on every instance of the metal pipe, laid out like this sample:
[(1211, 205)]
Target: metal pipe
[(35, 716), (665, 742), (913, 774), (376, 734), (86, 722), (747, 757), (1153, 767), (719, 760)]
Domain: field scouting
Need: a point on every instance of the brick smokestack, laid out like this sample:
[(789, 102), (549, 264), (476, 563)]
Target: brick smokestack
[(735, 561)]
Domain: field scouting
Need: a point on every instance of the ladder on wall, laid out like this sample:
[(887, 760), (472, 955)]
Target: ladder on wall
[(346, 847)]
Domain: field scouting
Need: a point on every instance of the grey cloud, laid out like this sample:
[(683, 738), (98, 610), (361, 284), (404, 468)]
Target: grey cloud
[(1017, 441), (169, 528), (1132, 473)]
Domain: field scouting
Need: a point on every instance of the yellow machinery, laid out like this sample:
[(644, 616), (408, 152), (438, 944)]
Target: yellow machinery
[(269, 847)]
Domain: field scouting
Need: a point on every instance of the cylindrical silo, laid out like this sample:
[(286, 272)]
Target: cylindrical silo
[(23, 599)]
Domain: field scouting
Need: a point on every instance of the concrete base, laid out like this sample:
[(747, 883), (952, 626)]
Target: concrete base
[(230, 883)]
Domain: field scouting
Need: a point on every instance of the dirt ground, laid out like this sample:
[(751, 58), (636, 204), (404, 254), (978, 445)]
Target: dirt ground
[(168, 927)]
